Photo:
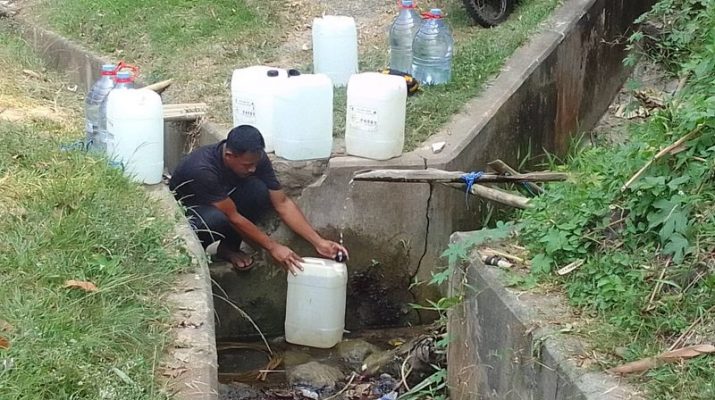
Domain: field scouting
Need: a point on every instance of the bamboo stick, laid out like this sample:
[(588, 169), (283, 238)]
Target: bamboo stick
[(159, 87), (504, 168), (439, 176), (495, 195)]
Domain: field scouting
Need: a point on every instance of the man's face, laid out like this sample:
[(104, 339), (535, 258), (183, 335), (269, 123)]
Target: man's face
[(243, 165)]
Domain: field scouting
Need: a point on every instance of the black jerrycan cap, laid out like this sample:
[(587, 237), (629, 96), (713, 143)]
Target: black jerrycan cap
[(272, 73), (293, 72)]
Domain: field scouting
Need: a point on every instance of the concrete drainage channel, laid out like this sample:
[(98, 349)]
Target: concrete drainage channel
[(559, 83)]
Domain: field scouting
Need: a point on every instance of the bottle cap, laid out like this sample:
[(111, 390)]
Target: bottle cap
[(124, 77), (340, 257), (407, 4), (436, 11), (108, 69)]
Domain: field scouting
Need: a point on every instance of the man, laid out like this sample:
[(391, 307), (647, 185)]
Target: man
[(227, 187)]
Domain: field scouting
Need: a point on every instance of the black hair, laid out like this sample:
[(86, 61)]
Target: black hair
[(245, 139)]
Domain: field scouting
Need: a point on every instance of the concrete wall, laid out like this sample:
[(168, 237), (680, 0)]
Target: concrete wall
[(507, 344)]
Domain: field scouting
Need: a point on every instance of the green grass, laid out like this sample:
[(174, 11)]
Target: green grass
[(200, 45), (66, 215), (659, 231)]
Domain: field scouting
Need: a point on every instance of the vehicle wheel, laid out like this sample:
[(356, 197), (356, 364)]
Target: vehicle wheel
[(488, 13)]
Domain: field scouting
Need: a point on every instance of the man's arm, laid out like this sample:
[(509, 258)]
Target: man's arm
[(295, 219), (288, 259)]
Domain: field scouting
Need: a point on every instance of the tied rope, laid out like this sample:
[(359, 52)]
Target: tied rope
[(469, 178)]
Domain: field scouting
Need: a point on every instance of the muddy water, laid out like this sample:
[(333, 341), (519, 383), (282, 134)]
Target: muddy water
[(242, 362)]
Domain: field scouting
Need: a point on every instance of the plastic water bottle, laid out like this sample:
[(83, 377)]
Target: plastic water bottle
[(123, 80), (93, 102), (432, 51), (402, 33)]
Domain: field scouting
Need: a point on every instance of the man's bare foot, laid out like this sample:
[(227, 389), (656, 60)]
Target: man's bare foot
[(239, 259)]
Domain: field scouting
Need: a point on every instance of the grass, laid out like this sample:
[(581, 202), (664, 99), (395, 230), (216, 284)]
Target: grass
[(200, 45), (65, 215), (649, 271)]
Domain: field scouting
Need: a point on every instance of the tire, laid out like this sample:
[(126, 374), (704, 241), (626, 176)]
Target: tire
[(488, 13)]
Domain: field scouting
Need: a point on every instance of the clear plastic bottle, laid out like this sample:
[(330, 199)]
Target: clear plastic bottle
[(124, 80), (402, 33), (432, 51), (93, 102)]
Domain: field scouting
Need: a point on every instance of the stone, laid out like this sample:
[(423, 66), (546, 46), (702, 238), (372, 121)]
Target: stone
[(354, 352), (292, 358), (238, 391), (381, 362), (315, 377)]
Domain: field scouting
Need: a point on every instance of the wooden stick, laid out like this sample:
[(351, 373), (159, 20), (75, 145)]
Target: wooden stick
[(658, 285), (160, 86), (184, 116), (660, 155), (504, 168), (496, 195), (438, 176)]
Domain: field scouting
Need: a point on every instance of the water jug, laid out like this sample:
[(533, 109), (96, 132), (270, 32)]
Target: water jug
[(432, 51), (253, 92), (304, 110), (315, 304), (375, 118), (335, 49), (92, 104), (402, 33), (135, 131)]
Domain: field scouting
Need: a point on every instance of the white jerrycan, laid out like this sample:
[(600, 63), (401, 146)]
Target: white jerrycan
[(253, 91), (304, 117), (315, 304), (135, 130), (375, 117), (335, 48)]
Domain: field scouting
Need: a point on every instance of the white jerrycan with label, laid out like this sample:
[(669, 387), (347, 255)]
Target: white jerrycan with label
[(315, 304), (375, 117), (253, 93)]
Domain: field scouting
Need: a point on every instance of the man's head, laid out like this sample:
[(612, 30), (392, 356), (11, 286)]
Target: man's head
[(243, 150)]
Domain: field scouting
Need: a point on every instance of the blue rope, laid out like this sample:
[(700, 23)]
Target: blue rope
[(469, 178)]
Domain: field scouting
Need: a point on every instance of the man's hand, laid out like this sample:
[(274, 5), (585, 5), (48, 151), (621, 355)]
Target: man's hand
[(330, 249), (287, 258)]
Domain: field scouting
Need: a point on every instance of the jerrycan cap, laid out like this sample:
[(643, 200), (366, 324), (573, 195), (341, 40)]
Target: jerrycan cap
[(272, 73), (293, 72)]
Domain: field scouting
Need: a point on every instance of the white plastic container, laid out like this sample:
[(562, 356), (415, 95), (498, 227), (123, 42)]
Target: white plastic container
[(135, 133), (375, 117), (253, 91), (304, 117), (315, 305), (335, 48)]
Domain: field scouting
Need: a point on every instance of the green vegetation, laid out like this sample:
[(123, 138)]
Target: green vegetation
[(199, 45), (67, 216), (649, 249)]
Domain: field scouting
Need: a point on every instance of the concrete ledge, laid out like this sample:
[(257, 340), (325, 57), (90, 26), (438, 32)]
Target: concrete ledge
[(191, 362), (506, 344)]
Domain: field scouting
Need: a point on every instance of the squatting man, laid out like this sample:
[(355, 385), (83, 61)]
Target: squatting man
[(227, 187)]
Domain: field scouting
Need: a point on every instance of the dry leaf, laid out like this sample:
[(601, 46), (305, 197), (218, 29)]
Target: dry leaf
[(4, 343), (667, 357), (84, 285), (32, 74), (5, 326)]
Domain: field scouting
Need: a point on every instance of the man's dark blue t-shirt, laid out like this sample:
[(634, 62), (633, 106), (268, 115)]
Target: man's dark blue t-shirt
[(202, 179)]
